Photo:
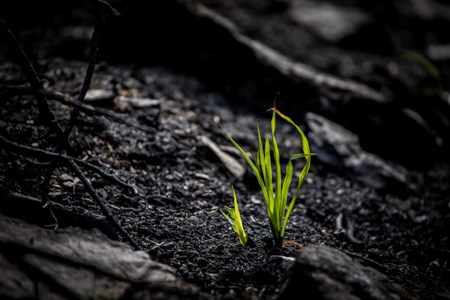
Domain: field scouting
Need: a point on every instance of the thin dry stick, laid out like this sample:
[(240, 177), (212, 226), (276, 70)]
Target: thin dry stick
[(106, 211), (85, 87), (75, 112), (79, 173), (73, 215), (95, 40), (46, 115), (68, 100), (52, 156), (89, 109)]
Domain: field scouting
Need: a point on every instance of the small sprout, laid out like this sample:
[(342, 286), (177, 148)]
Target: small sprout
[(276, 200), (235, 220), (440, 74)]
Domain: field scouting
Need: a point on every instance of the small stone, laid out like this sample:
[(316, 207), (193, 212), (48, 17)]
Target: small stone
[(420, 219), (67, 184), (143, 102), (97, 96), (65, 177), (255, 200), (202, 176), (103, 193), (54, 194), (435, 264), (169, 245), (329, 21)]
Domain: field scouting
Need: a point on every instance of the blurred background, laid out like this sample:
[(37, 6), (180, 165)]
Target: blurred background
[(377, 68)]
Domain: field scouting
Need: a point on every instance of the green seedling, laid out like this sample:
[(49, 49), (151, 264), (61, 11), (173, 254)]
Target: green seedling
[(235, 220), (440, 74), (276, 199)]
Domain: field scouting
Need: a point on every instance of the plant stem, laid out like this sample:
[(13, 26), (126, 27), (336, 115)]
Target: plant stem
[(278, 242)]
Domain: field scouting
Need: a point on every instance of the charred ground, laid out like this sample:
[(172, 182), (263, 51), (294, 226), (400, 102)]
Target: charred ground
[(154, 143)]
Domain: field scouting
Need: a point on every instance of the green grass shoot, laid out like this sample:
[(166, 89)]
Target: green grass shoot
[(275, 190), (234, 217)]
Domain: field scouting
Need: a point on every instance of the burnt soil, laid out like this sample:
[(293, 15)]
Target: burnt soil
[(182, 186)]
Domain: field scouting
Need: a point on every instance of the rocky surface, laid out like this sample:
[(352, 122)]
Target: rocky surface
[(340, 149), (321, 272), (71, 263)]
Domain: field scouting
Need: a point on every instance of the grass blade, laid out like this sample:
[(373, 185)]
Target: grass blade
[(279, 208), (276, 200), (307, 155), (247, 158), (268, 176), (286, 184), (262, 168), (235, 220)]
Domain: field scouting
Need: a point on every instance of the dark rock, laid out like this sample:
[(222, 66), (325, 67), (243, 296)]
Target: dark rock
[(429, 9), (438, 52), (321, 272), (14, 283), (268, 6), (77, 264), (330, 22), (340, 148)]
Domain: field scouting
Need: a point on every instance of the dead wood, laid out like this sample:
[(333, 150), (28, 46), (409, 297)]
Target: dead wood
[(283, 64), (46, 115), (106, 211), (25, 207), (47, 156), (75, 264), (86, 182), (65, 137), (83, 107), (89, 109), (75, 113)]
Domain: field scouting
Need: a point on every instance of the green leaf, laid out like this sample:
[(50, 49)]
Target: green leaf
[(300, 155), (246, 157), (427, 65), (277, 200), (268, 176), (262, 167), (286, 184), (307, 155), (235, 220), (279, 208)]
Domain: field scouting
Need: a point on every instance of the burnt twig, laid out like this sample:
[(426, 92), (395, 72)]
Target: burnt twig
[(86, 108), (79, 173), (90, 189), (85, 87), (52, 156), (13, 203), (89, 109), (76, 111), (95, 43), (46, 115), (348, 230)]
